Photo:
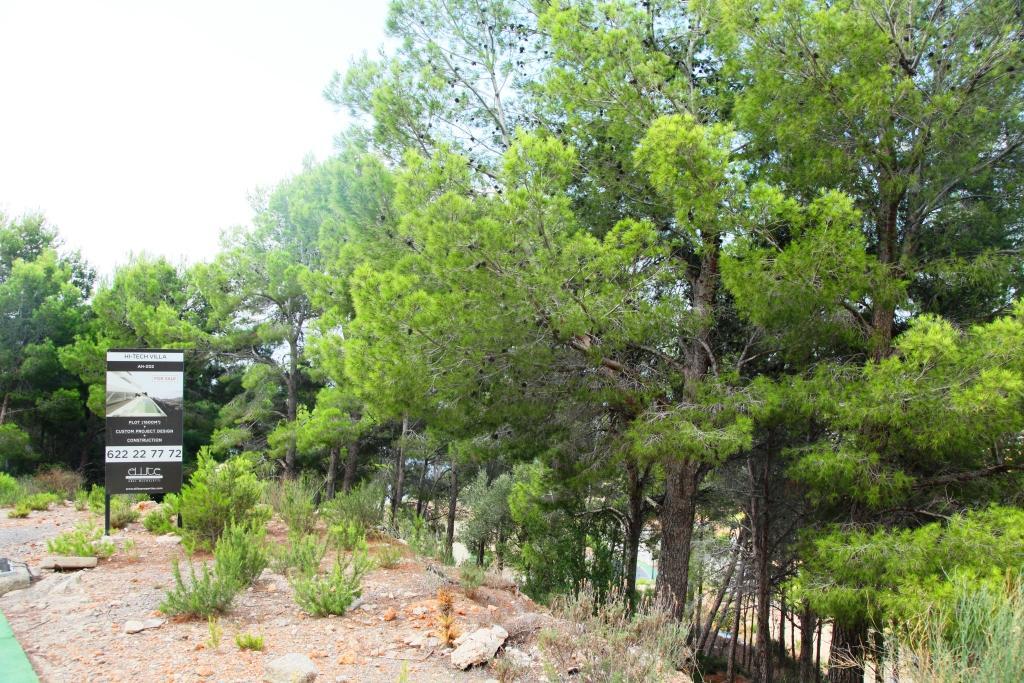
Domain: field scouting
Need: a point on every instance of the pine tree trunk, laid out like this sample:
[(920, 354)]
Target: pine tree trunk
[(332, 472), (453, 498), (351, 463), (737, 544), (677, 517), (420, 496), (758, 468), (396, 498), (634, 527), (846, 659), (807, 628), (292, 405), (3, 408), (730, 671)]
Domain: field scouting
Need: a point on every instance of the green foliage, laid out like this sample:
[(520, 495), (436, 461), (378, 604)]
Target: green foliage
[(333, 593), (361, 505), (198, 596), (249, 641), (159, 521), (240, 554), (19, 511), (215, 631), (219, 494), (10, 490), (300, 555), (40, 501), (490, 519), (84, 541), (122, 513), (472, 576), (15, 447), (388, 556), (292, 499), (348, 536)]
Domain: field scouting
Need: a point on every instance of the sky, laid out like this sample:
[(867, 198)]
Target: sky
[(143, 126)]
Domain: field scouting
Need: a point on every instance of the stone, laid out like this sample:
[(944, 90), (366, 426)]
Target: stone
[(168, 539), (291, 668), (478, 647), (135, 625), (518, 657), (68, 562), (15, 580), (390, 614)]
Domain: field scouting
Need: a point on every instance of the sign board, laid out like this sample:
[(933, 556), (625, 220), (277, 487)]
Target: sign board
[(145, 428)]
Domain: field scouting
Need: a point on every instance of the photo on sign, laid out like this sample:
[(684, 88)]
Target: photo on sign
[(143, 394)]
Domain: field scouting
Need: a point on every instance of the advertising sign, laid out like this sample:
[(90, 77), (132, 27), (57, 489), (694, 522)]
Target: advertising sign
[(145, 427)]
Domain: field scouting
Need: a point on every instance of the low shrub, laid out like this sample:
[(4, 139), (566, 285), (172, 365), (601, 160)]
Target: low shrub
[(20, 511), (90, 500), (348, 536), (361, 505), (214, 632), (40, 501), (59, 481), (300, 555), (471, 576), (158, 521), (447, 631), (240, 554), (219, 494), (199, 596), (84, 541), (121, 512), (608, 643), (333, 593), (292, 499), (11, 490), (388, 556), (248, 641)]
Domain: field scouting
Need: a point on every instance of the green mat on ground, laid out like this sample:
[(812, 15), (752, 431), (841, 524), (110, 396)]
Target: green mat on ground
[(13, 661)]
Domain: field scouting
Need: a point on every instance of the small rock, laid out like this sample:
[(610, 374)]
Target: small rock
[(291, 668), (347, 658), (419, 611), (367, 607), (477, 647), (168, 539), (135, 626), (204, 671), (390, 614), (68, 562)]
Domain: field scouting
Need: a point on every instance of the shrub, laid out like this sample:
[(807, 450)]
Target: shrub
[(219, 494), (388, 556), (40, 501), (59, 481), (361, 505), (471, 576), (333, 593), (413, 530), (214, 631), (157, 521), (348, 536), (240, 555), (292, 499), (608, 643), (83, 541), (447, 631), (91, 499), (20, 511), (200, 596), (301, 553), (977, 639), (10, 490), (247, 641), (121, 512)]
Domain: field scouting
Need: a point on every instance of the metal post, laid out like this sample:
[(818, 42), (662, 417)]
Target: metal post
[(106, 514)]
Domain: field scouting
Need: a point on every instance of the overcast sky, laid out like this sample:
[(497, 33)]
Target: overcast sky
[(143, 125)]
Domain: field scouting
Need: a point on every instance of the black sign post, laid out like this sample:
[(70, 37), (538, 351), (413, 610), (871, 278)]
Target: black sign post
[(145, 428)]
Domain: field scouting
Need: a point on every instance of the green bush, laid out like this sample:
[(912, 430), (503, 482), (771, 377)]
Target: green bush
[(247, 641), (199, 596), (10, 490), (388, 556), (348, 536), (121, 512), (333, 593), (240, 554), (20, 511), (40, 501), (292, 499), (361, 505), (83, 541), (219, 494), (158, 521), (302, 554), (471, 576)]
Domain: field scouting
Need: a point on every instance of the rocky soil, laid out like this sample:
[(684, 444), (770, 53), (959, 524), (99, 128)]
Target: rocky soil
[(72, 625)]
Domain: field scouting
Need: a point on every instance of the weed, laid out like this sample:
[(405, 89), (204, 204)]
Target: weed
[(158, 521), (215, 632), (292, 499), (388, 556), (11, 490), (348, 536), (471, 576), (20, 511), (131, 550), (248, 641), (447, 631), (121, 512), (360, 505), (240, 555), (58, 481), (200, 596), (301, 555), (84, 541), (333, 593), (40, 501)]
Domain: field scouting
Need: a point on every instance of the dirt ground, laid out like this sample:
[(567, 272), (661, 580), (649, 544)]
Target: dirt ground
[(71, 624)]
